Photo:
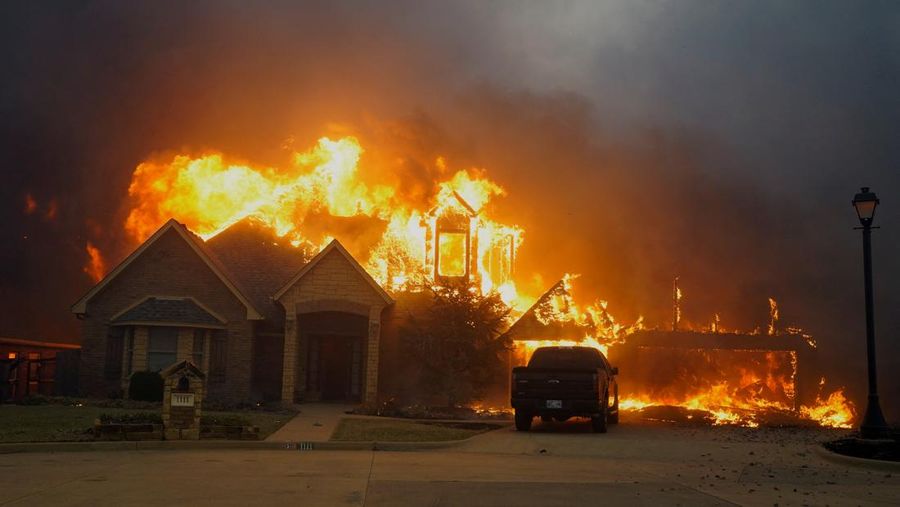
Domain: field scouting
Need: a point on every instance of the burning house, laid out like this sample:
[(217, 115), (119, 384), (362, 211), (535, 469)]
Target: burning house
[(262, 306), (249, 282)]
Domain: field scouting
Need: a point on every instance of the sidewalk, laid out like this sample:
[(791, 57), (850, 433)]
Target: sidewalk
[(315, 422)]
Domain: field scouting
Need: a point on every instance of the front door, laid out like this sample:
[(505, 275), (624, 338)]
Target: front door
[(336, 367), (335, 361)]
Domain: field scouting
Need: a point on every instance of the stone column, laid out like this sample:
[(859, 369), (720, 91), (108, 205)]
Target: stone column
[(185, 347), (139, 357), (370, 391), (289, 375)]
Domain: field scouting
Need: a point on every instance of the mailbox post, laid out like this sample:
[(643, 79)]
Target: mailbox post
[(183, 390)]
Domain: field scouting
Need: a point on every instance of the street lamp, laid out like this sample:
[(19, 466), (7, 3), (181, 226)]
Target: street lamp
[(873, 423)]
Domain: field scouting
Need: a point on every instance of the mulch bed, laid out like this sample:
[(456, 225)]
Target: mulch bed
[(886, 450)]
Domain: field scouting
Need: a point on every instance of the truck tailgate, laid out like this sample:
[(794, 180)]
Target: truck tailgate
[(548, 383)]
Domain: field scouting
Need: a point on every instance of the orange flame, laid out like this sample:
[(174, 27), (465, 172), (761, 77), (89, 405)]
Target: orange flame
[(96, 266), (210, 193)]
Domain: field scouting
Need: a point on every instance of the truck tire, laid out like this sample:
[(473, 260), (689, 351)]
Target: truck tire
[(523, 421), (598, 421)]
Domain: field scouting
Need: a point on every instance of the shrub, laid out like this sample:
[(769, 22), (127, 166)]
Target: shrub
[(146, 386)]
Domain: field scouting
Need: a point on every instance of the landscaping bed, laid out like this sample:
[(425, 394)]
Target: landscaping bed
[(78, 420), (414, 411), (354, 429)]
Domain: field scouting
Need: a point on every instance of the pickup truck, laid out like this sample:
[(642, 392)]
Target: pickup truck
[(564, 382)]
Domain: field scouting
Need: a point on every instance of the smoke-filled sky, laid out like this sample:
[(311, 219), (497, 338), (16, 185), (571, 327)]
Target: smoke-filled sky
[(719, 141)]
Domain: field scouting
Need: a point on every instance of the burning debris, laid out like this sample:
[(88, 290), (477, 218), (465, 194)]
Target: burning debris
[(745, 379)]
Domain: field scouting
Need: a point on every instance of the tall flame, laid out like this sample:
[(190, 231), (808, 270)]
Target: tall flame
[(210, 193)]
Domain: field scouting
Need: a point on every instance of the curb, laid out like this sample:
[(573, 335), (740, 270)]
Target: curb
[(840, 459), (236, 445)]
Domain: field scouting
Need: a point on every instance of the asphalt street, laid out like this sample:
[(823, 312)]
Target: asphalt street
[(556, 464)]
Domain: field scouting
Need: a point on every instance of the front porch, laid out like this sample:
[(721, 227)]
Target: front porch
[(332, 330)]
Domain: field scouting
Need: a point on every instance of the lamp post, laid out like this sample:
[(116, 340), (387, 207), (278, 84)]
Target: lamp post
[(873, 423)]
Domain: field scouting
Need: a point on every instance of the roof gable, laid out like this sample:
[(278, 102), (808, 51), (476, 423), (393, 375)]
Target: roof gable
[(534, 325), (171, 310), (195, 243), (335, 246)]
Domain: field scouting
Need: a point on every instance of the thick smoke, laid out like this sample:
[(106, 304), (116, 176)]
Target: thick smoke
[(721, 143)]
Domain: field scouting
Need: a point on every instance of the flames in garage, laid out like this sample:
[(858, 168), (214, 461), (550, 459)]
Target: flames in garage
[(705, 373), (407, 239)]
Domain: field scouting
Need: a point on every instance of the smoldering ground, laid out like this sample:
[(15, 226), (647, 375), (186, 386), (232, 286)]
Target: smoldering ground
[(718, 142)]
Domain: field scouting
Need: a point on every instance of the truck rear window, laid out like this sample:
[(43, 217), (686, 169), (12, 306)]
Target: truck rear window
[(576, 358)]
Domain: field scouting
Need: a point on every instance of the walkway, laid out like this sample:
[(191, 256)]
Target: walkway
[(315, 422)]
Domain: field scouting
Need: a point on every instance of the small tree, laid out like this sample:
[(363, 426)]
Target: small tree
[(458, 342)]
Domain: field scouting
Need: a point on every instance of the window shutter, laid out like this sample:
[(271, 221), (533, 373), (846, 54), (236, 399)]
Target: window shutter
[(115, 340)]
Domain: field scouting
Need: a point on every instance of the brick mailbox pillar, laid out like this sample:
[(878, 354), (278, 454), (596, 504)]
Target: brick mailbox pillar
[(184, 386)]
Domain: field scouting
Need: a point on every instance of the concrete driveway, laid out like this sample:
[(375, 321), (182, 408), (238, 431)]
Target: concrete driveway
[(553, 465)]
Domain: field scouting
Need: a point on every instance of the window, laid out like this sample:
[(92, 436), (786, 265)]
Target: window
[(198, 348), (217, 355), (452, 254), (163, 347), (112, 368)]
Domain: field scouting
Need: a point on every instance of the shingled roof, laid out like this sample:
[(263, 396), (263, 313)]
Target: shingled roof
[(163, 310), (259, 262)]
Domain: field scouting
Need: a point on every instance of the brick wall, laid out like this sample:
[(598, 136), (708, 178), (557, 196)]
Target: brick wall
[(169, 267)]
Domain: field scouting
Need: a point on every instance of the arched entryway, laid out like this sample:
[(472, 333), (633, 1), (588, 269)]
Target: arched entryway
[(332, 312)]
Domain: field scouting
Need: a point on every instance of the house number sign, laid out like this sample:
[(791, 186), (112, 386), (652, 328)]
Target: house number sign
[(182, 399)]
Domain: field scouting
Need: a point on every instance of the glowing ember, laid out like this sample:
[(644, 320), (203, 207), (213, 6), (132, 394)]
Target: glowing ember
[(773, 316)]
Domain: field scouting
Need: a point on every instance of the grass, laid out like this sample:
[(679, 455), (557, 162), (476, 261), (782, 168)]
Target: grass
[(392, 430), (68, 423)]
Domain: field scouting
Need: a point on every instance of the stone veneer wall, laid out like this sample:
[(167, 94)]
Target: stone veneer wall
[(333, 284)]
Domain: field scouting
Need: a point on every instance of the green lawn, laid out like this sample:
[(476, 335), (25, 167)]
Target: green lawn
[(62, 423), (391, 430)]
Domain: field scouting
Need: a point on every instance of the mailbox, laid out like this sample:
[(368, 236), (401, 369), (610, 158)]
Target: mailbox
[(183, 388)]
